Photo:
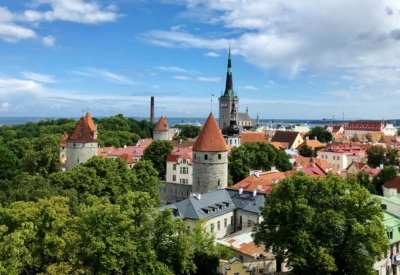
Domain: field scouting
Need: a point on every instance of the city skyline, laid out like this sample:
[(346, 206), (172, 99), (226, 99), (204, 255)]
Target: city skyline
[(289, 60)]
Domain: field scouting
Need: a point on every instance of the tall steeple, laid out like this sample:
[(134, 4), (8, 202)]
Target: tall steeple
[(229, 83)]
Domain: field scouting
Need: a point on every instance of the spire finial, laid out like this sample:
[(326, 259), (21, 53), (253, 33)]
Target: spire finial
[(229, 52)]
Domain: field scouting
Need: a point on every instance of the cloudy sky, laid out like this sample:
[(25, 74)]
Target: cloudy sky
[(291, 59)]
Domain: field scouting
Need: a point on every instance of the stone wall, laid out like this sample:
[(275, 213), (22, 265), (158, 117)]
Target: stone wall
[(160, 135), (225, 112), (79, 152), (211, 173), (172, 192)]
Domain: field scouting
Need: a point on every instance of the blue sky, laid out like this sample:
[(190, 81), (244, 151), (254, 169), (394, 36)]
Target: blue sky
[(291, 59)]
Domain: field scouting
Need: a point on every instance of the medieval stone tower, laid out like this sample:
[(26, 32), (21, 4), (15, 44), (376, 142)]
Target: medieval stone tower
[(161, 130), (228, 98), (82, 144), (210, 159)]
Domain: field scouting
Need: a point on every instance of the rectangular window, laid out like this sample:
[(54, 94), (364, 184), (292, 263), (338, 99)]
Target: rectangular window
[(174, 167), (173, 178), (212, 227), (218, 225), (205, 157), (322, 156), (338, 158), (333, 157), (225, 222), (219, 156), (184, 170), (231, 220)]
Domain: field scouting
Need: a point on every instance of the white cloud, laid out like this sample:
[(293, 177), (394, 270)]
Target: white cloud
[(250, 88), (212, 54), (12, 27), (208, 79), (5, 105), (172, 69), (296, 36), (48, 41), (181, 77), (13, 33), (105, 75), (39, 77), (177, 28)]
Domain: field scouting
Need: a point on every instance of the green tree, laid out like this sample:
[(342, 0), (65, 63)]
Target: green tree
[(365, 181), (306, 151), (392, 157), (20, 147), (157, 152), (384, 175), (376, 156), (145, 179), (9, 164), (188, 131), (323, 226), (255, 155), (321, 134)]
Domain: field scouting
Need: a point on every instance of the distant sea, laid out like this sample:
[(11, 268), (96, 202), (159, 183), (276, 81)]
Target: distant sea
[(178, 120)]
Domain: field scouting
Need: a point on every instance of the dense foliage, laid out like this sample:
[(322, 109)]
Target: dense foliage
[(157, 152), (188, 131), (306, 151), (321, 134), (323, 226), (255, 156), (97, 218)]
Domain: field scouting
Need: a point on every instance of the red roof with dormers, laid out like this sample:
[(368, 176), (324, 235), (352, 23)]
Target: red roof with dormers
[(365, 126), (162, 124), (127, 158), (184, 153), (210, 138), (82, 132), (264, 181)]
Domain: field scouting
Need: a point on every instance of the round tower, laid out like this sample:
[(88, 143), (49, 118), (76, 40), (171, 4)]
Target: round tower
[(161, 130), (82, 144), (210, 159)]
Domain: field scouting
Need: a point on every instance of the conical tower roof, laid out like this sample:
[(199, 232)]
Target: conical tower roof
[(82, 132), (162, 124), (90, 122), (210, 138)]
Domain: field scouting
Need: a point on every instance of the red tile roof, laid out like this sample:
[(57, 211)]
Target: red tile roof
[(372, 171), (104, 151), (253, 137), (358, 165), (127, 158), (365, 126), (315, 171), (310, 143), (90, 122), (210, 138), (393, 183), (63, 142), (183, 144), (305, 161), (144, 142), (162, 124), (264, 180), (180, 153), (134, 151), (82, 132)]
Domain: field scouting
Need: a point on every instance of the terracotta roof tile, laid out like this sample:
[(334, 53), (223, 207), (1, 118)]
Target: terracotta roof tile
[(365, 126), (89, 120), (310, 143), (358, 165), (180, 153), (104, 151), (393, 183), (144, 142), (253, 137), (162, 124), (264, 179), (210, 138), (134, 151), (63, 142), (82, 132), (127, 158), (183, 144)]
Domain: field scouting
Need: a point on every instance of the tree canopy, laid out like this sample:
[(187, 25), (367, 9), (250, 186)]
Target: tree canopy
[(323, 226), (306, 151), (321, 134), (376, 156), (255, 156), (384, 175), (188, 131), (157, 152)]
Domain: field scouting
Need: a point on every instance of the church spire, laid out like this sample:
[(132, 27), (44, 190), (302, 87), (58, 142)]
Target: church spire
[(229, 84)]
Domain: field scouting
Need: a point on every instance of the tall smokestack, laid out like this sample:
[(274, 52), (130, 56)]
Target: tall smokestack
[(152, 109)]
